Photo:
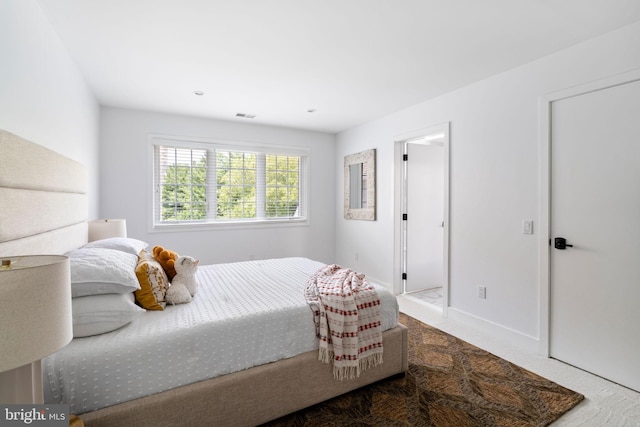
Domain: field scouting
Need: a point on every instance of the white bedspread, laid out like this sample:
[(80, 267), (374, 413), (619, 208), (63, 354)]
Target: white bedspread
[(244, 314)]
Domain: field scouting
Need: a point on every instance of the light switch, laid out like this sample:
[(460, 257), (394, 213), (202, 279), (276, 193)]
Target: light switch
[(527, 226)]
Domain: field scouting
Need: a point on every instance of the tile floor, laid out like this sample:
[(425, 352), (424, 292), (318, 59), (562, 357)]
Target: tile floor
[(605, 404), (431, 296)]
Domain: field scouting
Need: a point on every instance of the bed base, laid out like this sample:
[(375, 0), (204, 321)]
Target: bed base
[(253, 396)]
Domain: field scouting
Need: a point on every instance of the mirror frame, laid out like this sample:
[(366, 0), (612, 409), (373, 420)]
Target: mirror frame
[(368, 159)]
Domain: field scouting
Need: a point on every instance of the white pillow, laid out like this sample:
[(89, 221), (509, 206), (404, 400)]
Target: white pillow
[(97, 271), (125, 244), (97, 314)]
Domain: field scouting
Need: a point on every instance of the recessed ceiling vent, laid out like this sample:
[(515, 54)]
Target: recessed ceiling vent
[(246, 116)]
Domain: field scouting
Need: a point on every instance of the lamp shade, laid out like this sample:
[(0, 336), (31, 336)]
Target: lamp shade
[(106, 228), (35, 308)]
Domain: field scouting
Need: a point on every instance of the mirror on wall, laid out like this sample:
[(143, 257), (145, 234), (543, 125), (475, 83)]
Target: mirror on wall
[(357, 183), (360, 186)]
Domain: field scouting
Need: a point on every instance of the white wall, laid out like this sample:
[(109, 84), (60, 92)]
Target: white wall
[(125, 188), (494, 179), (43, 96)]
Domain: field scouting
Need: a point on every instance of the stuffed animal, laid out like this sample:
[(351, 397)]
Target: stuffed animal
[(177, 294), (167, 259), (184, 284)]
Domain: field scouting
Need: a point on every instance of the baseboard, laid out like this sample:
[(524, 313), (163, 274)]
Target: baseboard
[(515, 338)]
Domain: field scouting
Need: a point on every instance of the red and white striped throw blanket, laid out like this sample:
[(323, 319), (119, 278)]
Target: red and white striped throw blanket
[(346, 311)]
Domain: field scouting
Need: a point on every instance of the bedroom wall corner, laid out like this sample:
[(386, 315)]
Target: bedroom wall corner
[(43, 95)]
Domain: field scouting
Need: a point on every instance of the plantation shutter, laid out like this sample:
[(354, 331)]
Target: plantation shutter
[(181, 184), (197, 182)]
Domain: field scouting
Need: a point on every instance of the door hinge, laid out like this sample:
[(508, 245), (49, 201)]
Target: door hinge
[(405, 157), (404, 217), (404, 276)]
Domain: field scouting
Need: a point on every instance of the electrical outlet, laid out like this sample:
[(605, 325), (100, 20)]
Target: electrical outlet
[(482, 292)]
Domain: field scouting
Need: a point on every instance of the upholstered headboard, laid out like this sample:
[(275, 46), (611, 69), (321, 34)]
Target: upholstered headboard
[(43, 200)]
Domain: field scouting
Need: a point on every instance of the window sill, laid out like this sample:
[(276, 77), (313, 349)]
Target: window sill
[(227, 225)]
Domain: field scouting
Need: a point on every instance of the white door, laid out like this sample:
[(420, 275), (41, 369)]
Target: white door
[(595, 206), (425, 216)]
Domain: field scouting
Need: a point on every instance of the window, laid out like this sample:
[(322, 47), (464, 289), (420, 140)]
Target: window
[(182, 184), (282, 185), (236, 195), (218, 183)]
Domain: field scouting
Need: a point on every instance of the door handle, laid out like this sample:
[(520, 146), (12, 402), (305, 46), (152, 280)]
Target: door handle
[(561, 243)]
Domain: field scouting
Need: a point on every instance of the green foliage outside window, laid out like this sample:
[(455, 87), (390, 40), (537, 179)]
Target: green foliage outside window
[(236, 185), (282, 186), (184, 187), (184, 192)]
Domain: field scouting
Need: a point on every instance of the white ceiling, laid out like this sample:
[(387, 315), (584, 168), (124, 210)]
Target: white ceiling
[(351, 60)]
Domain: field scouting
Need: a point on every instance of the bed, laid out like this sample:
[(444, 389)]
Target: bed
[(179, 377)]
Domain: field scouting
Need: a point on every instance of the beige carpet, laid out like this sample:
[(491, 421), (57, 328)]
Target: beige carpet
[(450, 383)]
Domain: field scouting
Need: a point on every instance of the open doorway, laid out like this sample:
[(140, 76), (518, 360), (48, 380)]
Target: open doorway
[(423, 159)]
